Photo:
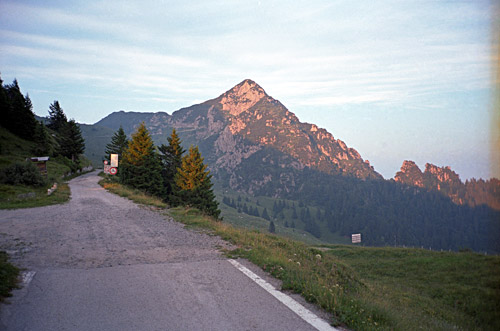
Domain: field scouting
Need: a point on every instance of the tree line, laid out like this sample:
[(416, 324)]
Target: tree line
[(60, 138), (165, 171)]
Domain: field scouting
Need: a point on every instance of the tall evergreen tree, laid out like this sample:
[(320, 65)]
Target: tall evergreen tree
[(194, 182), (57, 118), (171, 158), (43, 141), (4, 106), (118, 144), (27, 118), (71, 142), (19, 117), (141, 167)]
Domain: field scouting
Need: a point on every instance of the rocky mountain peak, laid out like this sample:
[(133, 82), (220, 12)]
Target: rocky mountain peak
[(410, 174), (442, 174), (242, 97)]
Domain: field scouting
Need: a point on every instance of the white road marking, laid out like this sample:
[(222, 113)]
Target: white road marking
[(27, 277), (296, 307)]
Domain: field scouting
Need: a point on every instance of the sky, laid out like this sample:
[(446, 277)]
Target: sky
[(396, 80)]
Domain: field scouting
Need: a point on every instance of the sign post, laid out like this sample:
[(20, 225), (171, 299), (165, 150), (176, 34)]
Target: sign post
[(111, 169)]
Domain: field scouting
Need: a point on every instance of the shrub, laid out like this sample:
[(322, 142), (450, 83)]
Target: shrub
[(24, 173)]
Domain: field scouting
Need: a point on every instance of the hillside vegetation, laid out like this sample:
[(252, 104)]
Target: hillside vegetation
[(16, 150), (22, 137)]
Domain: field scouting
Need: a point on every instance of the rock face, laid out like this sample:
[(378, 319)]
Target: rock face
[(410, 174), (264, 121), (447, 181)]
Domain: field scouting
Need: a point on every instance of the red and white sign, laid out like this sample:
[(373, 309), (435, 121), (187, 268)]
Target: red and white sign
[(113, 171)]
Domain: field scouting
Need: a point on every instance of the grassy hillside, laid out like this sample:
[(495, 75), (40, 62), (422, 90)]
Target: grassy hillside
[(14, 149), (286, 224)]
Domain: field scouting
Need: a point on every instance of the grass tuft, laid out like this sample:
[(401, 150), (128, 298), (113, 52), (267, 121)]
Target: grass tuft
[(8, 276), (111, 184)]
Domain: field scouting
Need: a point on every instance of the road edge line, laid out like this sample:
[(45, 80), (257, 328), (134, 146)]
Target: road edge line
[(293, 305)]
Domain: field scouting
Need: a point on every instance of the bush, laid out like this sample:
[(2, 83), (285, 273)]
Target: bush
[(22, 174)]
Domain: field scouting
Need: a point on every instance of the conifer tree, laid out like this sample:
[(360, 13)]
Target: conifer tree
[(118, 144), (57, 118), (194, 182), (265, 215), (71, 142), (17, 115), (272, 227), (43, 141), (140, 167), (4, 106), (27, 118), (171, 158)]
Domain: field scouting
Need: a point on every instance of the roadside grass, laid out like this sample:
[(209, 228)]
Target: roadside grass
[(12, 197), (365, 288), (320, 278), (111, 184), (8, 276), (436, 290)]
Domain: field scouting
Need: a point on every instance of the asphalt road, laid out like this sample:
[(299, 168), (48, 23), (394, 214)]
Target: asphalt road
[(100, 262)]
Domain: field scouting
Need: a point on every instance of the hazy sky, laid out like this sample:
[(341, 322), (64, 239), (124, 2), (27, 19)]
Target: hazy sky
[(395, 80)]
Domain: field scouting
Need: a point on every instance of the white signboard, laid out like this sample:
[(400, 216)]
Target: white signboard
[(114, 160), (356, 238)]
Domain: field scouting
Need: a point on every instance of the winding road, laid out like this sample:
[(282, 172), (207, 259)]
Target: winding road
[(101, 262)]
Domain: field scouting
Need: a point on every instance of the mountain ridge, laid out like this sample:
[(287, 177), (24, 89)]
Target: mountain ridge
[(446, 181)]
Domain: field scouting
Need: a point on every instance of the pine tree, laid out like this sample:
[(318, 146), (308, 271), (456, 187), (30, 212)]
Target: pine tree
[(27, 118), (171, 158), (71, 142), (57, 118), (195, 185), (272, 227), (19, 118), (43, 141), (4, 106), (265, 215), (118, 144), (141, 167)]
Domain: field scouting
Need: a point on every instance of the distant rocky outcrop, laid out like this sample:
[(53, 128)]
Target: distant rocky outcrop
[(445, 180)]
